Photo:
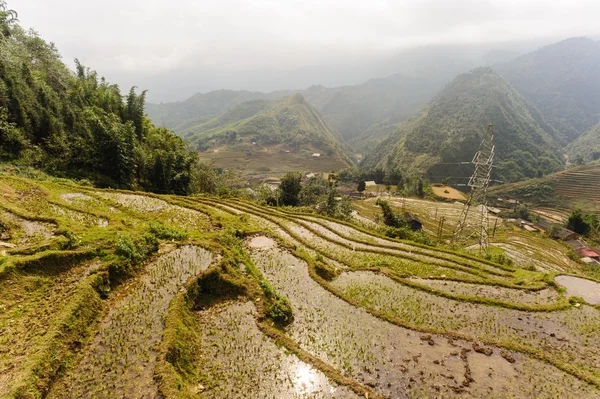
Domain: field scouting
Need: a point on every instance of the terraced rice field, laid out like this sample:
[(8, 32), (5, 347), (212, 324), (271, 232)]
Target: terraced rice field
[(575, 187), (429, 212), (108, 293)]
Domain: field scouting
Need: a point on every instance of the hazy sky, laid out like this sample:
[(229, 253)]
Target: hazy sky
[(149, 41)]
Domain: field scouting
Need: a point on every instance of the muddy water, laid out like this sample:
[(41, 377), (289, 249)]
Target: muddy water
[(544, 296), (586, 289), (261, 242), (177, 215), (569, 335), (122, 356), (396, 362), (240, 362)]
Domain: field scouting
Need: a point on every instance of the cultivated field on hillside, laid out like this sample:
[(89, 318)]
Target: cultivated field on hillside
[(106, 293), (272, 162), (576, 187)]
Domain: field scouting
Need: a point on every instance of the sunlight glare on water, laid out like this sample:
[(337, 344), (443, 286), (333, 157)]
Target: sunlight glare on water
[(306, 380)]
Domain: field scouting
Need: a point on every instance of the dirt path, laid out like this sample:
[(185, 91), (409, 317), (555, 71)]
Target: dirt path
[(122, 356)]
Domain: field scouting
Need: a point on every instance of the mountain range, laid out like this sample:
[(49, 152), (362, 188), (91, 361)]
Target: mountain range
[(540, 103)]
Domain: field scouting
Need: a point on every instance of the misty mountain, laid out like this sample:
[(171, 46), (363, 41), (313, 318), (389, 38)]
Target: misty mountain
[(449, 130), (288, 124), (201, 105), (562, 80), (348, 109), (586, 147)]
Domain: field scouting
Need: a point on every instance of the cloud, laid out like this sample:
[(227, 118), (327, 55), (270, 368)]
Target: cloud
[(125, 38)]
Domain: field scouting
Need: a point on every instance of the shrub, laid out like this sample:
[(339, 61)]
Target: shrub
[(166, 232)]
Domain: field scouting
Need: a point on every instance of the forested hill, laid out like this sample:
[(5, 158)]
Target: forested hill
[(76, 124), (290, 123), (563, 81), (449, 129)]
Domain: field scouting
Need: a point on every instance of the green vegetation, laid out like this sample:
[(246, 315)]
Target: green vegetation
[(351, 110), (199, 342), (449, 130), (290, 188), (586, 147), (77, 124), (584, 224), (573, 188), (289, 124)]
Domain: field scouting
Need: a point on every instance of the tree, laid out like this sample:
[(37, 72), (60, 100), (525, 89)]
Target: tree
[(389, 218), (388, 182), (7, 18), (419, 189), (577, 222), (362, 186), (289, 189), (313, 191)]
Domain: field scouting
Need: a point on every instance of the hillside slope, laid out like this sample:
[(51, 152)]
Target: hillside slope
[(562, 80), (576, 187), (449, 130), (586, 147), (264, 133), (351, 110), (291, 121)]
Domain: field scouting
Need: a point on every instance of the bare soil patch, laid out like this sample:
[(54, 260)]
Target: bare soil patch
[(447, 192)]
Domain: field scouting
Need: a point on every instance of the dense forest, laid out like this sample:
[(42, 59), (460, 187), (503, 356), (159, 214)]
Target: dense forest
[(76, 124)]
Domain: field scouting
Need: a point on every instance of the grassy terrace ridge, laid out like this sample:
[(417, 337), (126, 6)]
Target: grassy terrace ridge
[(226, 282), (560, 304), (121, 210), (588, 375), (261, 212), (393, 243)]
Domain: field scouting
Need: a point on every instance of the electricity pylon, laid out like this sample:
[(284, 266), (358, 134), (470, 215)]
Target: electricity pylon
[(479, 182)]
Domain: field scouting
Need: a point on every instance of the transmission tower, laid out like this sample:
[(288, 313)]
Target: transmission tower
[(479, 182)]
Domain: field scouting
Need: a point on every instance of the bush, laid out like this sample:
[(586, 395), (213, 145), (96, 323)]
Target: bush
[(279, 308), (503, 259), (404, 233), (164, 232)]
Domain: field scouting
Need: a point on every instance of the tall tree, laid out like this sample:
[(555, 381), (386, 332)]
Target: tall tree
[(289, 189)]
